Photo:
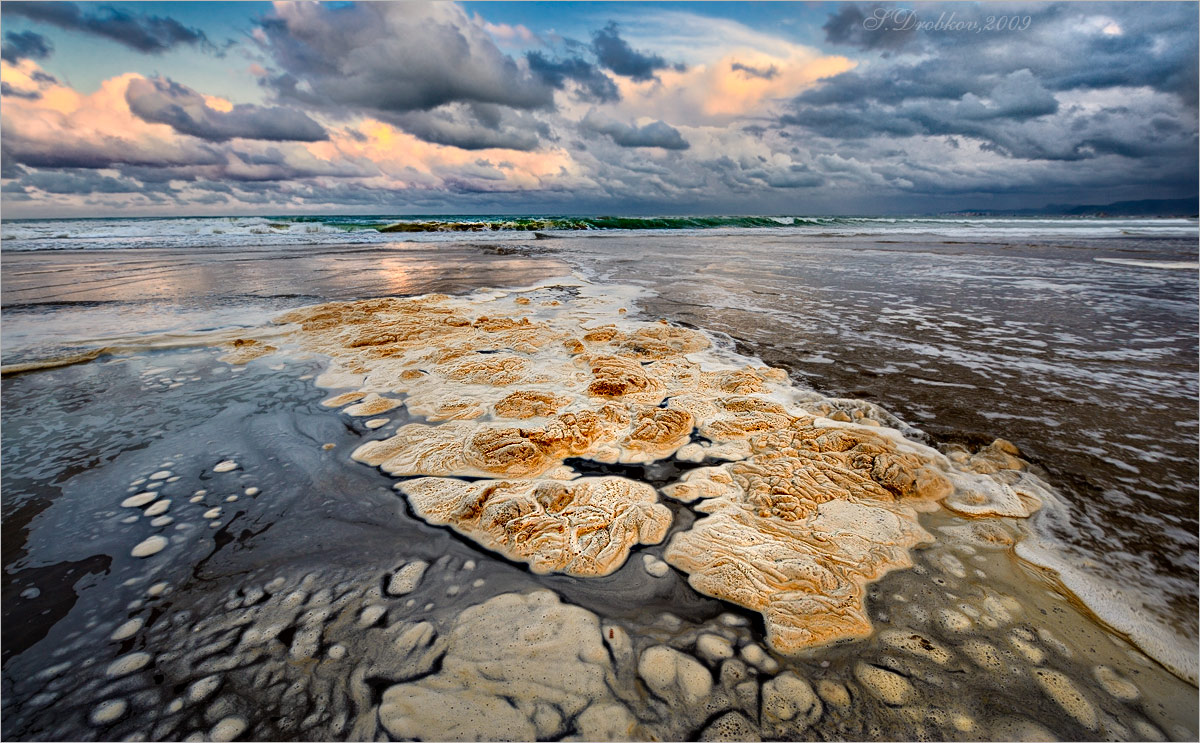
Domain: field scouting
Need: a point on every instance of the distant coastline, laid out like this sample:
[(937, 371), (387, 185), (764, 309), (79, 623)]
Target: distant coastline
[(1139, 208)]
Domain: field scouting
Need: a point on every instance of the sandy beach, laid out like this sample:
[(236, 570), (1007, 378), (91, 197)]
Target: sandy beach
[(240, 557)]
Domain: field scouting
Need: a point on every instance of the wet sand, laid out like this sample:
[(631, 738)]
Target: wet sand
[(298, 596)]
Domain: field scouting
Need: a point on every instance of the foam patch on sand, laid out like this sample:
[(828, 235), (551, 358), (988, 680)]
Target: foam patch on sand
[(518, 667), (817, 497), (585, 527)]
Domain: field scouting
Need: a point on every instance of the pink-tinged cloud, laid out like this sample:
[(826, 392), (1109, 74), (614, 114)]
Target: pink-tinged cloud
[(63, 128), (509, 35), (406, 161), (742, 82), (52, 125)]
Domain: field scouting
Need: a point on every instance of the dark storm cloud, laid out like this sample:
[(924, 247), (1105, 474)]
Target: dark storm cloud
[(474, 126), (215, 186), (209, 199), (594, 85), (148, 174), (656, 134), (145, 33), (872, 27), (158, 163), (9, 169), (25, 45), (389, 58), (1008, 92), (793, 177), (614, 53), (102, 154), (77, 182), (1067, 46), (163, 101), (8, 90), (274, 164), (766, 73), (752, 174), (985, 115)]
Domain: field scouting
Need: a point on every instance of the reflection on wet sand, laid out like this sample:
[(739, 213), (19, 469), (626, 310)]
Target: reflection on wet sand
[(71, 298)]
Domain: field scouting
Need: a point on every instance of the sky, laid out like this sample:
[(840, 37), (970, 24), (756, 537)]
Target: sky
[(231, 108)]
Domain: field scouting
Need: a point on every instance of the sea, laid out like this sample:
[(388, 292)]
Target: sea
[(1076, 339)]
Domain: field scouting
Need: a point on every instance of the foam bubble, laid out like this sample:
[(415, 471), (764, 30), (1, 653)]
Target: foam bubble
[(108, 712), (127, 630), (157, 508), (149, 546), (127, 664)]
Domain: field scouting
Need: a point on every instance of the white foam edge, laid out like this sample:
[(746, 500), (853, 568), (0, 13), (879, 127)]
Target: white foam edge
[(1117, 606)]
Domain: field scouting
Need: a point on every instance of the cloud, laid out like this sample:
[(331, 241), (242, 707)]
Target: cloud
[(509, 35), (374, 107), (766, 73), (8, 91), (65, 129), (146, 33), (25, 45), (886, 27), (161, 141), (1009, 92), (797, 176), (654, 134), (593, 85), (406, 161), (392, 58), (62, 128), (77, 182), (162, 101), (1067, 46), (718, 85), (475, 126), (615, 54), (719, 92)]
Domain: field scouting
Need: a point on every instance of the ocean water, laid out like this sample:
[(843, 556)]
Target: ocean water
[(1075, 339), (208, 232)]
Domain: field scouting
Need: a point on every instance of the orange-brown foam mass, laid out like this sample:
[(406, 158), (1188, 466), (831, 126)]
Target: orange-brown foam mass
[(800, 526), (584, 527), (816, 498)]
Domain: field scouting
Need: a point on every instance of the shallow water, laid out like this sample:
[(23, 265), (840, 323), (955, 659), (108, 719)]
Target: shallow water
[(249, 587), (61, 299)]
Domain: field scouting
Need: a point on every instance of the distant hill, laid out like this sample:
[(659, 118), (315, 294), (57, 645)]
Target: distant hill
[(1141, 208)]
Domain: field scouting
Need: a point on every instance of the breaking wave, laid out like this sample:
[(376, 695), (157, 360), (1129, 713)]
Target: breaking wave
[(262, 231)]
